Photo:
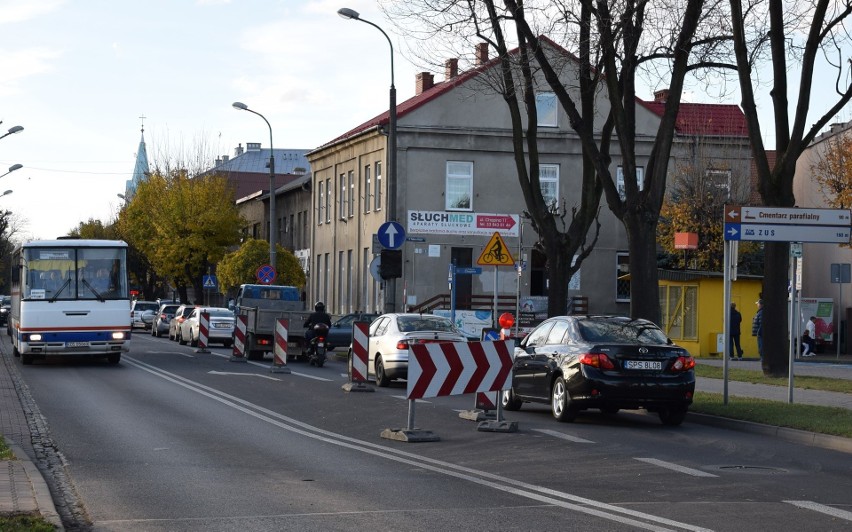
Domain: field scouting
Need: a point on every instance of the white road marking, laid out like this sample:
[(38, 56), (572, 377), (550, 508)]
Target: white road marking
[(243, 374), (550, 496), (675, 467), (563, 436), (406, 399), (823, 509), (268, 366)]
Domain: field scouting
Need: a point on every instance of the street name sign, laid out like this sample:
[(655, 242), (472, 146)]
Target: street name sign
[(787, 224)]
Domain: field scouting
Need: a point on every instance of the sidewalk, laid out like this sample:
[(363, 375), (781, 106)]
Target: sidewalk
[(23, 489)]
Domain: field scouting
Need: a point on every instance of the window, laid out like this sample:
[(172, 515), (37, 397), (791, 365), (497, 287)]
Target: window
[(548, 175), (328, 200), (351, 182), (619, 180), (459, 186), (377, 205), (368, 192), (320, 203), (720, 180), (679, 311), (545, 106), (622, 277), (342, 197)]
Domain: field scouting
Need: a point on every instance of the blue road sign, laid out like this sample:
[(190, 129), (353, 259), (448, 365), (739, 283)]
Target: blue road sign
[(468, 271), (391, 235), (210, 282), (266, 274)]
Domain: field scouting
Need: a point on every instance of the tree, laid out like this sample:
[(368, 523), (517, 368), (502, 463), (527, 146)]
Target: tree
[(789, 34), (182, 226), (613, 42), (833, 171), (240, 266)]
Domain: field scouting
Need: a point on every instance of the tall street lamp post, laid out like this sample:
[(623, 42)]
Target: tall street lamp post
[(12, 169), (351, 14), (273, 226)]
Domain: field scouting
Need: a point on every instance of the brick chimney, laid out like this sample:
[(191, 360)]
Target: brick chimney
[(661, 96), (238, 150), (481, 53), (451, 69), (424, 82)]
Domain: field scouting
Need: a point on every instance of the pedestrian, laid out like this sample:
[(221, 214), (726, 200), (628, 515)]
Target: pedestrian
[(734, 338), (757, 327), (809, 338)]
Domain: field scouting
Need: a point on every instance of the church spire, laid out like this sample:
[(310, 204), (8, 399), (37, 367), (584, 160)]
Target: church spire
[(140, 170)]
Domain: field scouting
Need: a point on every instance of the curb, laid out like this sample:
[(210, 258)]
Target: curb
[(43, 498), (825, 441)]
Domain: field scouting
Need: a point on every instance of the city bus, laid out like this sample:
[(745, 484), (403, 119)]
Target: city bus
[(70, 297)]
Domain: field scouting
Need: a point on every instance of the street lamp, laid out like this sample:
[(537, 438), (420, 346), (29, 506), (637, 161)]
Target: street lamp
[(273, 226), (12, 169), (12, 131), (351, 14)]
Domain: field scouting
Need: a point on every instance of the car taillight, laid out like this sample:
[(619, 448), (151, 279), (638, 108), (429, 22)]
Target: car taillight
[(684, 363), (596, 360), (402, 345)]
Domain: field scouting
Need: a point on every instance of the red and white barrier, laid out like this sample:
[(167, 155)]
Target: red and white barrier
[(240, 326), (203, 332), (279, 350), (360, 337), (441, 369)]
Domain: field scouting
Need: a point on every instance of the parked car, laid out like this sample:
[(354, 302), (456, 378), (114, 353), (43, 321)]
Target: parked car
[(340, 332), (604, 362), (220, 329), (5, 307), (181, 314), (137, 308), (390, 336), (164, 315)]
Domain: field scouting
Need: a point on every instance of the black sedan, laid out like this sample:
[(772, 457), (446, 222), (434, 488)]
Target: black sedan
[(604, 362)]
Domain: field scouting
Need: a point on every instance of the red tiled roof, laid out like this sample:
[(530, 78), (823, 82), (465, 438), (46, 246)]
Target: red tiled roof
[(723, 120), (693, 118)]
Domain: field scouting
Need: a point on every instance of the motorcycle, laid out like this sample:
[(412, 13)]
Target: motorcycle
[(316, 347)]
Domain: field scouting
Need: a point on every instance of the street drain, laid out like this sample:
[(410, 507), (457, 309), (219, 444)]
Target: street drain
[(757, 470)]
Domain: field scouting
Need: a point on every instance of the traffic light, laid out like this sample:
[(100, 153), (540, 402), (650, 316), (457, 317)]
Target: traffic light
[(390, 265)]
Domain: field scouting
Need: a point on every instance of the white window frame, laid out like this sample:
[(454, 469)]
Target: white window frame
[(351, 204), (553, 180), (368, 191), (342, 198), (328, 200), (320, 202), (459, 176), (619, 180), (377, 196), (546, 107)]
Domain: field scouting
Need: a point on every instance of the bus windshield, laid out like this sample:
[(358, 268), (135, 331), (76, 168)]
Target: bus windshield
[(65, 273)]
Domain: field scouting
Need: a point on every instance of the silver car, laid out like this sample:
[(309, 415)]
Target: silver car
[(220, 329), (162, 318), (392, 334)]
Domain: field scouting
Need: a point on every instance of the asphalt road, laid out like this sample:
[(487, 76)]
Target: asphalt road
[(171, 439)]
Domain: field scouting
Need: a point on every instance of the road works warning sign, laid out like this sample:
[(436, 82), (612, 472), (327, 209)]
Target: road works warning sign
[(496, 253)]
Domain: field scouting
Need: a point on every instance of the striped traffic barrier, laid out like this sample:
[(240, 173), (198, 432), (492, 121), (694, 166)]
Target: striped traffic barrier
[(203, 332), (279, 350), (358, 359), (239, 352)]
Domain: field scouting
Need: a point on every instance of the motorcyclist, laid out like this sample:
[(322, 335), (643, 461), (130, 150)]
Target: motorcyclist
[(319, 315)]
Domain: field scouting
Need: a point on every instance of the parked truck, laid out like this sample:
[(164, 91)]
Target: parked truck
[(263, 305)]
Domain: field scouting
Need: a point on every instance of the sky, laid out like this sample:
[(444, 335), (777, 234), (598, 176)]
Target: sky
[(78, 75)]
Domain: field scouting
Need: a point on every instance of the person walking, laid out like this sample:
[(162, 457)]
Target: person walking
[(757, 327), (734, 338)]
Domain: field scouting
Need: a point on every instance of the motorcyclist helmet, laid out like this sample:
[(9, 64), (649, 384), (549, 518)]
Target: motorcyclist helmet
[(320, 306)]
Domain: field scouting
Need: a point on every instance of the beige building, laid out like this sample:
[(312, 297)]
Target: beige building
[(457, 185)]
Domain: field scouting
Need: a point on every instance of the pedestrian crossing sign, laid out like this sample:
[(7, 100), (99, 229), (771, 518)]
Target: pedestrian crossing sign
[(209, 282), (496, 253)]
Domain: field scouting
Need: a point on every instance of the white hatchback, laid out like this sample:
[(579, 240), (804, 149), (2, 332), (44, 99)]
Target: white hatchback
[(220, 329)]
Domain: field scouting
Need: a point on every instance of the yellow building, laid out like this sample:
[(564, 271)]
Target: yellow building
[(693, 313)]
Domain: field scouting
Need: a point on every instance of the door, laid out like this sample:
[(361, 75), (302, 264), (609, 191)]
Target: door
[(463, 258)]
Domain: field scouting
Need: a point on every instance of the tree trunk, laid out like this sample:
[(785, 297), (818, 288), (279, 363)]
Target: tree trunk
[(644, 278), (775, 312)]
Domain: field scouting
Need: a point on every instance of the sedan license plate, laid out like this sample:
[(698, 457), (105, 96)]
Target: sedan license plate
[(76, 344), (643, 364), (221, 325)]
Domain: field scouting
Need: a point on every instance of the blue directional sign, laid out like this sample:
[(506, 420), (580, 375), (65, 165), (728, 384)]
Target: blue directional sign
[(391, 235), (468, 271)]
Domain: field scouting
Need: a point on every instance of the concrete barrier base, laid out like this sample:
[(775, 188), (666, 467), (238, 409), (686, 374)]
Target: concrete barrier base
[(498, 426), (409, 436), (478, 415), (357, 387)]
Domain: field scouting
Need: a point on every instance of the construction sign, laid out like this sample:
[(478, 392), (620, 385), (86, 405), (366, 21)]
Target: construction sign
[(496, 253)]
